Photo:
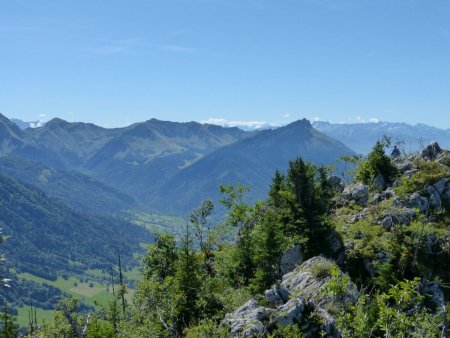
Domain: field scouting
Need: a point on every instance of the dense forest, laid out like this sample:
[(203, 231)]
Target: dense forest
[(362, 254), (46, 238)]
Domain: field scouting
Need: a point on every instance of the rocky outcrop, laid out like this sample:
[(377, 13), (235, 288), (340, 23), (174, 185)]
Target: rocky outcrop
[(415, 201), (435, 198), (247, 321), (357, 192), (379, 183), (431, 151), (404, 216), (337, 184), (300, 293), (291, 258)]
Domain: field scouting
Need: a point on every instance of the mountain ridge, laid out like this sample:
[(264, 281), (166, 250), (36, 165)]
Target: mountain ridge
[(361, 136), (267, 151)]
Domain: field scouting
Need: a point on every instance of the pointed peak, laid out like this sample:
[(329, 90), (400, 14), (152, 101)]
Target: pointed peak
[(303, 123), (9, 125), (56, 122)]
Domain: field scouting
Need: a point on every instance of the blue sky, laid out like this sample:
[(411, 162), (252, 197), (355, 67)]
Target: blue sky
[(114, 62)]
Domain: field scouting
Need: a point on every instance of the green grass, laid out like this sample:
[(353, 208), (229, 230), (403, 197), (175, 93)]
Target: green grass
[(95, 295), (41, 315), (85, 290), (92, 295), (134, 274), (158, 223), (95, 273), (428, 173)]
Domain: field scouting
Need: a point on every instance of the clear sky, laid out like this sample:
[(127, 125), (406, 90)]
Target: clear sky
[(114, 62)]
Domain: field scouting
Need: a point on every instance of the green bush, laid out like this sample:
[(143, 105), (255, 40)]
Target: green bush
[(288, 331), (323, 269), (207, 328), (428, 173), (377, 162)]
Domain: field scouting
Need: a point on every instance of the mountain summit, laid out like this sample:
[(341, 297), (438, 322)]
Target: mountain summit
[(250, 162)]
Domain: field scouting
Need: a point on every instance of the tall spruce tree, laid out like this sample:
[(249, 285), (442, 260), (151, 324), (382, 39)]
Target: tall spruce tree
[(187, 281)]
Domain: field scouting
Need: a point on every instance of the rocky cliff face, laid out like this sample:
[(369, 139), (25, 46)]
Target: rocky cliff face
[(301, 298)]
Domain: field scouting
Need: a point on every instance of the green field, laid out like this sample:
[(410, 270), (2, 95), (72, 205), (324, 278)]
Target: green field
[(91, 290), (173, 225), (23, 315), (92, 293)]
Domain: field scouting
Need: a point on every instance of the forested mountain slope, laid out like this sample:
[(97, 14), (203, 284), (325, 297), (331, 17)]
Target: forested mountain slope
[(77, 190), (47, 238), (134, 159), (250, 162)]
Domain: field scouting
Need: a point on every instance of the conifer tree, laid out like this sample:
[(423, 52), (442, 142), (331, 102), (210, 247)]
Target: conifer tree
[(9, 329), (187, 280)]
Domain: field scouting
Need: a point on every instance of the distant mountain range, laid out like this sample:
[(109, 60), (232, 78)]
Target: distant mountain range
[(361, 136), (165, 166), (169, 167), (251, 162), (24, 125)]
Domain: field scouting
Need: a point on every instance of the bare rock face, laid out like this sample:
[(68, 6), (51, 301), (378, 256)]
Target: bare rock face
[(337, 184), (300, 292), (291, 258), (435, 197), (417, 202), (277, 296), (357, 192), (247, 320), (431, 151), (379, 183)]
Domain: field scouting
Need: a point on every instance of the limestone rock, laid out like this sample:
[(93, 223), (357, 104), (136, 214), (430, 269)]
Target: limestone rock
[(277, 296), (300, 289), (337, 184), (414, 201), (291, 258), (446, 192), (358, 193), (405, 166), (289, 313), (441, 185), (431, 151), (379, 183), (435, 198), (388, 193), (246, 321), (387, 222), (377, 198), (363, 214)]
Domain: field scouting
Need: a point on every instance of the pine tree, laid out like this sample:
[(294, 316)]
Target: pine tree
[(159, 262), (187, 281), (9, 329), (266, 253)]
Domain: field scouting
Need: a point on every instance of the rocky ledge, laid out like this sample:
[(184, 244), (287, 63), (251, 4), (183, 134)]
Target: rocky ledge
[(300, 298)]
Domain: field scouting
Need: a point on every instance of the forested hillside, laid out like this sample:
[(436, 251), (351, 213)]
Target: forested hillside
[(47, 239), (250, 162), (318, 257), (77, 190), (166, 167)]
